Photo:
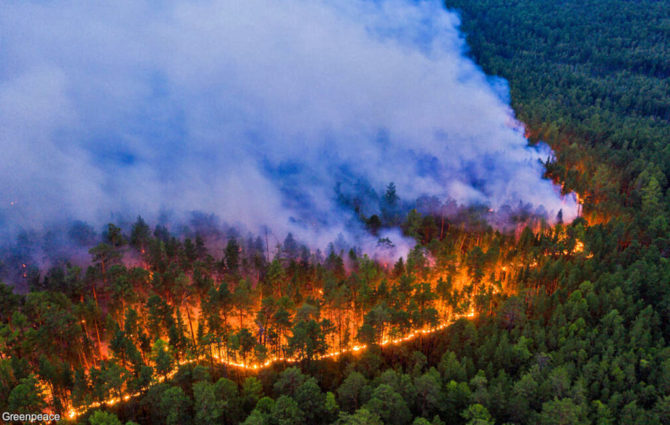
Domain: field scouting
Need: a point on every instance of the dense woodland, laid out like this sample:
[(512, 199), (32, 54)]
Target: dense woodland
[(548, 325)]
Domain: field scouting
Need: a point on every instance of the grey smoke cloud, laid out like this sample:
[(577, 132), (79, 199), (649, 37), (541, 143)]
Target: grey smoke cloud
[(252, 110)]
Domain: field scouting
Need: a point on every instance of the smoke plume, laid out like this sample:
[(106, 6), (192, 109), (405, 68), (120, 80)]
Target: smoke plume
[(263, 112)]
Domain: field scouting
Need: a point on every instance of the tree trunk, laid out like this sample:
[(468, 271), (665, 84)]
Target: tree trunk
[(97, 333), (190, 325)]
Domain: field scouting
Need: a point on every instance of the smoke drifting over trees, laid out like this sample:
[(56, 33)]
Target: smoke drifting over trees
[(261, 112)]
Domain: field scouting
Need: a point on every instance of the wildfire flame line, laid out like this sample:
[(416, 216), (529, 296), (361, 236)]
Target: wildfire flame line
[(74, 413)]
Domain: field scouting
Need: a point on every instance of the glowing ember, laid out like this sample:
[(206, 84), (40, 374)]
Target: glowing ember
[(74, 413)]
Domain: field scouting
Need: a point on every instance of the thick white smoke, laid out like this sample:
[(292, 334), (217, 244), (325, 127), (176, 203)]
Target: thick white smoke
[(254, 110)]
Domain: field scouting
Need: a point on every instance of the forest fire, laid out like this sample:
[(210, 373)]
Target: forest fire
[(454, 298), (473, 232), (73, 413), (149, 303)]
